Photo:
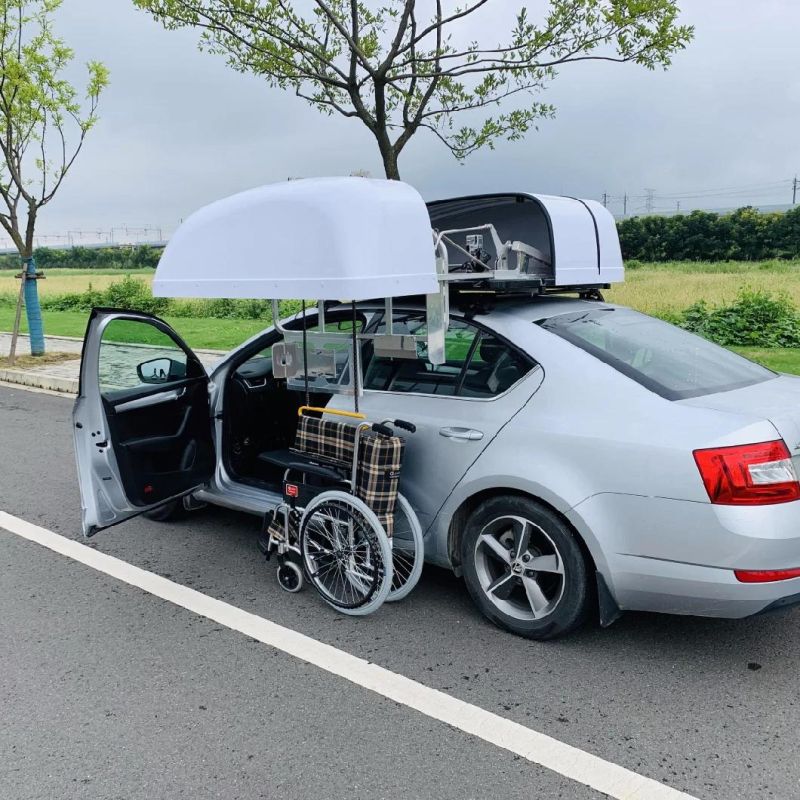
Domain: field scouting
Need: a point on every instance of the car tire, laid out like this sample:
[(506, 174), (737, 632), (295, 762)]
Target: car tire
[(166, 513), (525, 569)]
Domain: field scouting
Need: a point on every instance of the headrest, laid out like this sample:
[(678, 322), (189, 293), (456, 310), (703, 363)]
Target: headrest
[(490, 349)]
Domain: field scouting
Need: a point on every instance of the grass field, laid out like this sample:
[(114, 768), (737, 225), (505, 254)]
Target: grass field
[(64, 281), (781, 359), (660, 289), (669, 288), (212, 334)]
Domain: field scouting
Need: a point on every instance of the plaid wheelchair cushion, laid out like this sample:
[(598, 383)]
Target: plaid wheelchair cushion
[(378, 475), (326, 439), (379, 461)]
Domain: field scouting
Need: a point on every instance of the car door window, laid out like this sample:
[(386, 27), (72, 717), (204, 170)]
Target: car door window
[(418, 374), (493, 369), (136, 354), (477, 364)]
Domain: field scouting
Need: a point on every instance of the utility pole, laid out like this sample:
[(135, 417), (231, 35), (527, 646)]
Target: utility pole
[(605, 198), (625, 205), (795, 184), (678, 207)]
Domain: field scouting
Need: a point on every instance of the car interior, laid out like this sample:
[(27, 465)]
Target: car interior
[(261, 410)]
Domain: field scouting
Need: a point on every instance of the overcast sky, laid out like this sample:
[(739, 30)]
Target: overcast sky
[(178, 128)]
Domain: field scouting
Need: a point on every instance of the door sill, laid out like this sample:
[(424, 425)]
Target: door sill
[(240, 496)]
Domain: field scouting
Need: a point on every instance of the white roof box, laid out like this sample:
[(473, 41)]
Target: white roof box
[(322, 238), (563, 241)]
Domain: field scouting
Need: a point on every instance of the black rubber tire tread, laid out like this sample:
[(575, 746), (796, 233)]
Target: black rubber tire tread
[(576, 602), (166, 513)]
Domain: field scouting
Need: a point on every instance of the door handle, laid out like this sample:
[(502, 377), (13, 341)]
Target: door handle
[(463, 434)]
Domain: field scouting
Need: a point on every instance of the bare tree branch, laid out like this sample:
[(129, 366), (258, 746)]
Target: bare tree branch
[(397, 74)]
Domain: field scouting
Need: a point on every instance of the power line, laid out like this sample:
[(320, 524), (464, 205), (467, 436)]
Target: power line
[(762, 193), (726, 189)]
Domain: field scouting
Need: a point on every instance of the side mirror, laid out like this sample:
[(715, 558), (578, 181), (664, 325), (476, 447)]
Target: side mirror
[(161, 370)]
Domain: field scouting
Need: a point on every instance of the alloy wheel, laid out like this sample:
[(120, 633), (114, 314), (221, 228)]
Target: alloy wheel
[(519, 567)]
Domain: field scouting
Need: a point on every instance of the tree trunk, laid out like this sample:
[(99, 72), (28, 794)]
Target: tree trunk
[(389, 156), (390, 164)]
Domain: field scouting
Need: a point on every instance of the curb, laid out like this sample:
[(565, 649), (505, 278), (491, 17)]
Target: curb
[(23, 377)]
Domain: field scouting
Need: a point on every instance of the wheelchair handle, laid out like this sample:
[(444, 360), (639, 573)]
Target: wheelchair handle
[(406, 426), (334, 411), (385, 426)]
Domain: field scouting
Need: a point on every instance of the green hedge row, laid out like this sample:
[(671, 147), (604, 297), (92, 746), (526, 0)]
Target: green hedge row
[(138, 257), (744, 235)]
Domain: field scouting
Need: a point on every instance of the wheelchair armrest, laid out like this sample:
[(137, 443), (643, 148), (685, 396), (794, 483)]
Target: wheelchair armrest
[(317, 469)]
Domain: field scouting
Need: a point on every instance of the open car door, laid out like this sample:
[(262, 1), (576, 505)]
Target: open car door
[(142, 427)]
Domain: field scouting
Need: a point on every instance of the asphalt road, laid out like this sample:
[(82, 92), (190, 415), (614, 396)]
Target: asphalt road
[(106, 692)]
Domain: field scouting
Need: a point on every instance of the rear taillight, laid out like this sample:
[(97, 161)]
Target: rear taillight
[(748, 475), (766, 575)]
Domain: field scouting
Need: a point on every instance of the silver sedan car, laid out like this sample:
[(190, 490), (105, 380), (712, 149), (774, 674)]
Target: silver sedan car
[(572, 457)]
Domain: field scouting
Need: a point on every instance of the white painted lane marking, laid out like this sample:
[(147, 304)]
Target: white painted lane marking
[(538, 748)]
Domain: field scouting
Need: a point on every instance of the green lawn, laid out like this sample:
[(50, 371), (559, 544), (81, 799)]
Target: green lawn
[(781, 359), (213, 334), (72, 273)]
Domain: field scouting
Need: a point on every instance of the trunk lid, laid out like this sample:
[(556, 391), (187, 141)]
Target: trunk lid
[(776, 400)]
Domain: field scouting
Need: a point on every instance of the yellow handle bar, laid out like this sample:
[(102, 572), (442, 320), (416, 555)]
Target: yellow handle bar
[(351, 414)]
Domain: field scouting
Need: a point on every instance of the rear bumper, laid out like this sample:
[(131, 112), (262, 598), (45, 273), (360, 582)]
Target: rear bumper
[(647, 584), (679, 557)]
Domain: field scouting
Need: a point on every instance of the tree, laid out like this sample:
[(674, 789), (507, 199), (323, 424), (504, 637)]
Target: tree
[(408, 65), (42, 129)]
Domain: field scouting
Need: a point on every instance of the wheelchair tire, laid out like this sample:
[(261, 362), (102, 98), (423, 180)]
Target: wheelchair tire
[(408, 550), (346, 554)]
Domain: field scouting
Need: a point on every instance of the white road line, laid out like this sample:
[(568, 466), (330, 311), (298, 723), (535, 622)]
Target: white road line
[(538, 748)]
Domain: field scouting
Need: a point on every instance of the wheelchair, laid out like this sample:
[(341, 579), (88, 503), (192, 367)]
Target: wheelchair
[(343, 525)]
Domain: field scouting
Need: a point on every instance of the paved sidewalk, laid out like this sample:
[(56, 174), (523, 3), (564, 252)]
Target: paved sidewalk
[(62, 376)]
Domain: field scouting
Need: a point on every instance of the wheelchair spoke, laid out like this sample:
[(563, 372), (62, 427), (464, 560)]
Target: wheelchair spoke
[(338, 548)]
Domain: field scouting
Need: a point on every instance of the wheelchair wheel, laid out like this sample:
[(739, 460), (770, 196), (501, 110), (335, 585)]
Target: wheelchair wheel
[(408, 550), (346, 553)]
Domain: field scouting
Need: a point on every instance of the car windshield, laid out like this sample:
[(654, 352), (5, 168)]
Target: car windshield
[(661, 357)]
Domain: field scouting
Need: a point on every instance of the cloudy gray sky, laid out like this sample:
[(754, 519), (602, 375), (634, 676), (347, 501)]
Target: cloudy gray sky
[(178, 128)]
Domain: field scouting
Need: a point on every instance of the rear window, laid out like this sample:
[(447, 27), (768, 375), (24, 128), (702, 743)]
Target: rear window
[(661, 357)]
